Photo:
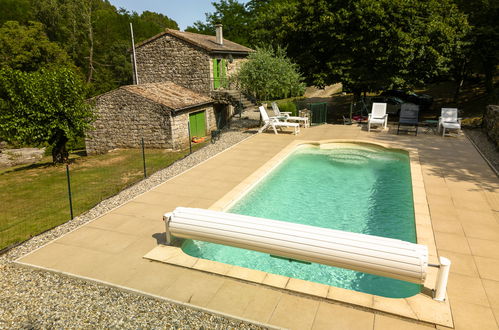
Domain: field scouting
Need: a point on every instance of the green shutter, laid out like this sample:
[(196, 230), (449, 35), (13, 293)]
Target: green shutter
[(216, 74), (223, 73), (201, 124), (192, 124)]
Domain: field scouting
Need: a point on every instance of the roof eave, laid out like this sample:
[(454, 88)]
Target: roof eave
[(192, 106), (235, 52)]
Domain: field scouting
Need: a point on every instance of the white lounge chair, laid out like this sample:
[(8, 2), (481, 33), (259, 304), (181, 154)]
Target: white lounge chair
[(287, 116), (449, 120), (378, 116), (274, 123)]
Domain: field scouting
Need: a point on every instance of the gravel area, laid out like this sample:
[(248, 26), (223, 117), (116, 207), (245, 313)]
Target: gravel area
[(486, 146), (32, 298)]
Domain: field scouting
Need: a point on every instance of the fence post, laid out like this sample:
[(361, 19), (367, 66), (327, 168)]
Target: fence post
[(69, 191), (144, 159), (190, 139)]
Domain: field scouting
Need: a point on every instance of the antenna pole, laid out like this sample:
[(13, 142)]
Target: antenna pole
[(135, 75)]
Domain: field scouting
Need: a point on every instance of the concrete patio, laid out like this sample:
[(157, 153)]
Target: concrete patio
[(461, 191)]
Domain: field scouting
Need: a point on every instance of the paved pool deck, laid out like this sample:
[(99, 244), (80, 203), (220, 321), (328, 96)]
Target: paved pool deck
[(461, 191)]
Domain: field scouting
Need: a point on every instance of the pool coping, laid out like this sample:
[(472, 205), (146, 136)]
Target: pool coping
[(420, 307)]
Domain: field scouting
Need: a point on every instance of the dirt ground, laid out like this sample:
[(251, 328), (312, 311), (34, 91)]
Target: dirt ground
[(13, 157)]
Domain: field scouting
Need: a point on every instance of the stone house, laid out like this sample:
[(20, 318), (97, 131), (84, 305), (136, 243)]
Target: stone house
[(182, 82), (159, 113), (195, 61)]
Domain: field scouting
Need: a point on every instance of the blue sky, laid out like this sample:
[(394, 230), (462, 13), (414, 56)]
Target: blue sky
[(184, 12)]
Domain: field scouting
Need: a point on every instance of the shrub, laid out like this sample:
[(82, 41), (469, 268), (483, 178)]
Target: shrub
[(471, 122), (287, 106), (269, 74)]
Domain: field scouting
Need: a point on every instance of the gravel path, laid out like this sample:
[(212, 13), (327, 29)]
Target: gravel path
[(487, 147), (33, 298)]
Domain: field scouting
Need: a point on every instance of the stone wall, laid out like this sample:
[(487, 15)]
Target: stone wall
[(123, 119), (170, 59), (235, 65), (491, 123)]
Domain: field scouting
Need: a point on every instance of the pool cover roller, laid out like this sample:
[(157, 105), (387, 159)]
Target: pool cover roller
[(365, 253)]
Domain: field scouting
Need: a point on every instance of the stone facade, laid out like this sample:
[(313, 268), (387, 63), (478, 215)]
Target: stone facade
[(491, 123), (186, 59), (234, 67), (124, 118), (170, 59)]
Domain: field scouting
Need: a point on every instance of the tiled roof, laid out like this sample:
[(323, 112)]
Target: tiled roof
[(169, 94), (203, 41)]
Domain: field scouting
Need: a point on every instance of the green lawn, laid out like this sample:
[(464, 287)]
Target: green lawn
[(34, 198)]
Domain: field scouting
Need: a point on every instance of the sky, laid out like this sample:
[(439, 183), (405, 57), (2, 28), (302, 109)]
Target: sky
[(184, 12)]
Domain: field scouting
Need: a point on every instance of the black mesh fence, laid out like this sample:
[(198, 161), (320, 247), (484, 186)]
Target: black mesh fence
[(36, 197)]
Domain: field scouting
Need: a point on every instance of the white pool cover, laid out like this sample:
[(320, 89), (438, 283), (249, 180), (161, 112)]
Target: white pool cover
[(370, 254)]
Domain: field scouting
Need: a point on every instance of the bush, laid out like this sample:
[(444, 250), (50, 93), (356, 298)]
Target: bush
[(287, 106), (471, 122), (269, 74)]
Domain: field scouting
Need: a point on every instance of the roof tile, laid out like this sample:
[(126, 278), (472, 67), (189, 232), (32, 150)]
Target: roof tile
[(204, 41), (169, 94)]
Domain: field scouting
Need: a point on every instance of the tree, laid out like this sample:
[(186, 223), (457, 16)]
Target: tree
[(371, 45), (153, 24), (269, 74), (234, 17), (271, 21), (96, 36), (15, 10), (47, 106), (483, 16), (28, 48)]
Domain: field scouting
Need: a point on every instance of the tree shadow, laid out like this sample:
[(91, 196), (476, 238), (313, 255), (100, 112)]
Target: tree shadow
[(452, 158)]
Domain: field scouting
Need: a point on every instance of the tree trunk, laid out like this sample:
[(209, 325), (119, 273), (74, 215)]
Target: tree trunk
[(91, 42), (489, 76), (59, 151), (459, 77)]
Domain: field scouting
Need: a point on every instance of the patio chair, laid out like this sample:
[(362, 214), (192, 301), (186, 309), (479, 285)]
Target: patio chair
[(378, 116), (449, 120), (287, 115), (409, 115), (274, 123)]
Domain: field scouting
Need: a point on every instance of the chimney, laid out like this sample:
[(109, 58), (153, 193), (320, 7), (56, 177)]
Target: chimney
[(219, 34)]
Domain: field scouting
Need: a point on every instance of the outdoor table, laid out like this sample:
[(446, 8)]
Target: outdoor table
[(431, 126)]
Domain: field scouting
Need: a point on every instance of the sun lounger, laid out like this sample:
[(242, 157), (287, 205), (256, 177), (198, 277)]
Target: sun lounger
[(274, 123)]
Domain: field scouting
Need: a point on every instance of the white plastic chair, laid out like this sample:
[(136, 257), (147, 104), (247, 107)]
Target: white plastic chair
[(449, 120), (287, 115), (274, 123), (378, 116)]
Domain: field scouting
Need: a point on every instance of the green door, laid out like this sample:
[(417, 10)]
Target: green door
[(197, 124)]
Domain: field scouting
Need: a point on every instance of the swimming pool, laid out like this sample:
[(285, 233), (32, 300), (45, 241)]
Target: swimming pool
[(354, 187)]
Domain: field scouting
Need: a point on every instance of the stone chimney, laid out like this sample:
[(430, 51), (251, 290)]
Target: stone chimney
[(219, 34)]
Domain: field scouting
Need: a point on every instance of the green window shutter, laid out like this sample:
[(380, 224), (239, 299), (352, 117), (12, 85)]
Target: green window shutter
[(216, 76), (193, 124), (223, 73), (201, 124)]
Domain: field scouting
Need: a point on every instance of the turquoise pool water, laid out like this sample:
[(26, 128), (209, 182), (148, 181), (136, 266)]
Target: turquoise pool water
[(358, 188)]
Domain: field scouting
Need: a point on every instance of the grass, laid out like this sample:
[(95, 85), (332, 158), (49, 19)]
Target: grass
[(34, 198)]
